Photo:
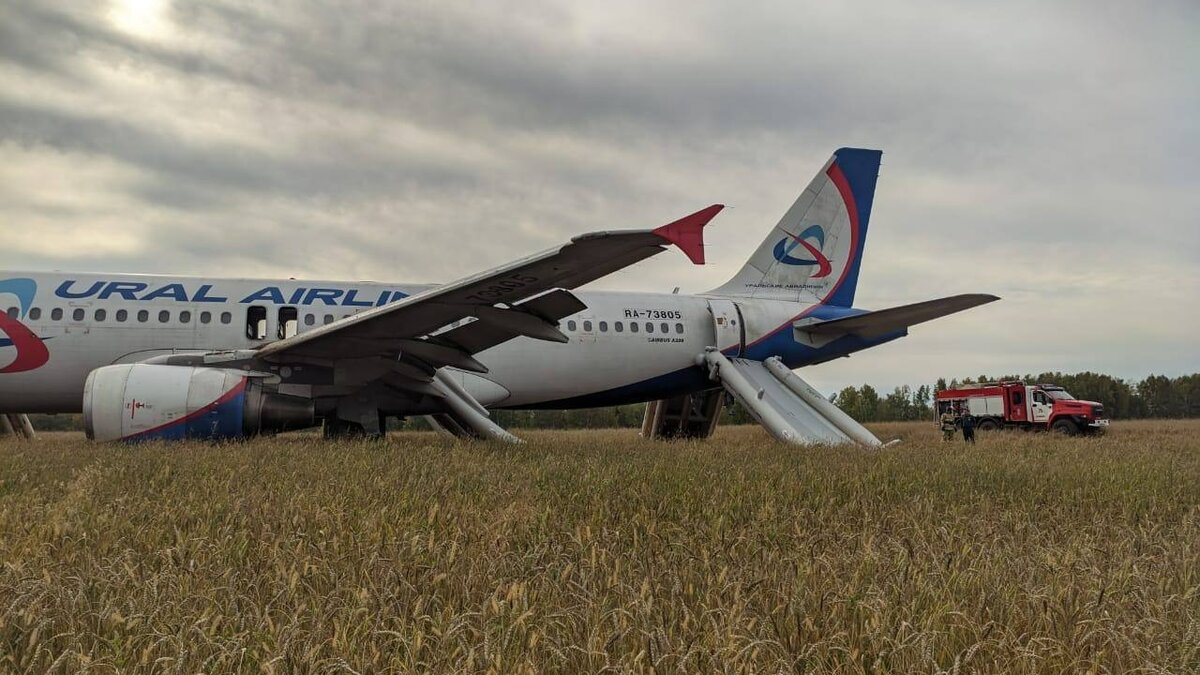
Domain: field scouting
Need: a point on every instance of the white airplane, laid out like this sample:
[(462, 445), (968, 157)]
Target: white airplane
[(164, 357)]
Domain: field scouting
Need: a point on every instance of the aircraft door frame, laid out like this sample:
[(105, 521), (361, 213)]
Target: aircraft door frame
[(80, 326), (1039, 411), (728, 328), (587, 328), (1017, 406)]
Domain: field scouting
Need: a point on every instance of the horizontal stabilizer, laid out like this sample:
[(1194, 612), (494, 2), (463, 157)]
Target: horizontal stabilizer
[(874, 324)]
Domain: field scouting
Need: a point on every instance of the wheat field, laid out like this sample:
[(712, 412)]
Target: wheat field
[(596, 551)]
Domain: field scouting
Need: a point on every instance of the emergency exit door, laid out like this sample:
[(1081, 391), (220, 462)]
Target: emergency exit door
[(728, 331), (587, 328)]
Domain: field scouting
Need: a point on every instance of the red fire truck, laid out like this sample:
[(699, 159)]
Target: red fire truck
[(1016, 405)]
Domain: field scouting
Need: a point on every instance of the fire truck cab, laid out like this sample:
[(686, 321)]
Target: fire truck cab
[(1016, 405)]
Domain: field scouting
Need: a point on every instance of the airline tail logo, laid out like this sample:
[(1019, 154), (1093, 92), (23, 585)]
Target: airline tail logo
[(31, 351), (783, 251)]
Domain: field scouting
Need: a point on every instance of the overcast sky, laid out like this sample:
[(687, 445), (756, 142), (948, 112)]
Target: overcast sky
[(1045, 152)]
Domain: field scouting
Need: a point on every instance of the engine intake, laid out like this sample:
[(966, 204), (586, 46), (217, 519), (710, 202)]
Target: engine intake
[(142, 402)]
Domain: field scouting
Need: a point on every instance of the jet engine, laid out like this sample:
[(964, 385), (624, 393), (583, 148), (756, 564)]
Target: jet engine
[(142, 402)]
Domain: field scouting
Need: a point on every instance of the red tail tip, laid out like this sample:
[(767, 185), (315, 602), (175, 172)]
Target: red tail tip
[(688, 232)]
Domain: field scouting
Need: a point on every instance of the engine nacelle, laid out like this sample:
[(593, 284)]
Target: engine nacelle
[(142, 402)]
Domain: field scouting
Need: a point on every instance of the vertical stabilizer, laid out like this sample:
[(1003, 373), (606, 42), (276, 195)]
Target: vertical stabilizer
[(813, 254)]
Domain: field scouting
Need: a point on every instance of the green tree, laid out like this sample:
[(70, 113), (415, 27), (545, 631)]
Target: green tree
[(1158, 396), (921, 400), (897, 405), (869, 401), (850, 402)]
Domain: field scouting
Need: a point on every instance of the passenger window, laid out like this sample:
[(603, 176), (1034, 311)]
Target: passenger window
[(256, 322), (665, 328), (603, 326), (309, 319), (571, 326), (12, 312), (649, 327), (185, 317), (143, 316), (205, 317), (56, 314), (328, 319), (122, 315), (679, 328), (164, 316), (620, 327), (289, 322), (77, 315), (587, 326), (226, 317), (35, 313), (633, 327), (101, 315)]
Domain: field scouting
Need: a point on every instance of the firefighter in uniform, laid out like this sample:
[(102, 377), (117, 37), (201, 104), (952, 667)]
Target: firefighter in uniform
[(948, 429)]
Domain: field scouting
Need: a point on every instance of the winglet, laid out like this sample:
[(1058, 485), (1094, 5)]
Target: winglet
[(688, 232)]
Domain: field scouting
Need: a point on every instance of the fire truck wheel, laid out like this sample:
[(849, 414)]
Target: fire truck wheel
[(988, 425), (1065, 427)]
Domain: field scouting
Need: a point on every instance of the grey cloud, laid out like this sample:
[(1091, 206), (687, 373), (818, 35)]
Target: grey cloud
[(52, 39), (226, 168), (411, 141)]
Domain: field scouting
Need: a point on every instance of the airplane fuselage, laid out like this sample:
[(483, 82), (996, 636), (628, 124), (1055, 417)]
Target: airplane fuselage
[(624, 348)]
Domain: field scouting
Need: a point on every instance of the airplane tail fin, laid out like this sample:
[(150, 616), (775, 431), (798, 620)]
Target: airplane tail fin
[(814, 253)]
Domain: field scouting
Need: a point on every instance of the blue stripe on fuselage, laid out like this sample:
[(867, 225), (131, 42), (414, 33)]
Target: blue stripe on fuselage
[(7, 342), (779, 343)]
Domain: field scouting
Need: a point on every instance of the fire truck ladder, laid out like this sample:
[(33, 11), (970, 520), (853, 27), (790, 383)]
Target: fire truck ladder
[(790, 409)]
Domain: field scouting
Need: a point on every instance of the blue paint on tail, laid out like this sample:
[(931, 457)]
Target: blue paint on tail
[(861, 170)]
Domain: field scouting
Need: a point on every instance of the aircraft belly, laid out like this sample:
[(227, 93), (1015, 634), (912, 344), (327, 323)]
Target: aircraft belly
[(49, 389)]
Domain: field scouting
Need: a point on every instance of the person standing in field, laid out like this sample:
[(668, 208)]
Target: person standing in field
[(968, 427), (947, 426)]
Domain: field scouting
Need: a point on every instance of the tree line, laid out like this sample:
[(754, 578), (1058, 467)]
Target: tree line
[(1155, 396)]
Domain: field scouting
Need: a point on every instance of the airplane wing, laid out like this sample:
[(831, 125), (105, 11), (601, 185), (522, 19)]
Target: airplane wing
[(446, 325), (874, 324)]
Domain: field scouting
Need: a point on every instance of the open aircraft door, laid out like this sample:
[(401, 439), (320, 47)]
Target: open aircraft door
[(695, 414), (727, 325)]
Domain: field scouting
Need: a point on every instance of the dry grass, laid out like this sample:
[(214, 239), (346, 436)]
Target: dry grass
[(586, 551)]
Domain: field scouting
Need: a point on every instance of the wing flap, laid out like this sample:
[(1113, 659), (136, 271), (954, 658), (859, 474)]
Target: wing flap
[(483, 334), (439, 353)]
